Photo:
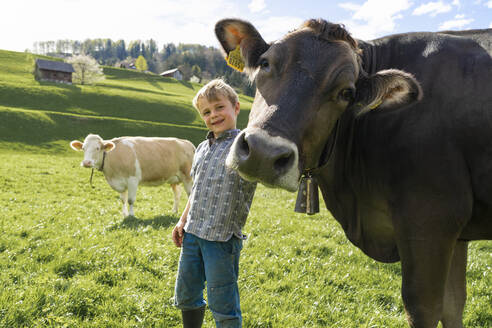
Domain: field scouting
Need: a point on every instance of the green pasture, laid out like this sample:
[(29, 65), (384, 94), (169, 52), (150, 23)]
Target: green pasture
[(69, 259), (45, 115)]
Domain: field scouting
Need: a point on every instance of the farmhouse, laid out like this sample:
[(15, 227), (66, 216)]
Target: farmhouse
[(175, 72), (195, 79), (47, 70), (127, 63)]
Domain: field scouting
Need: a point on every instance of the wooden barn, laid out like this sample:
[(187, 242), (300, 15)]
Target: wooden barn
[(175, 72), (47, 70), (127, 63)]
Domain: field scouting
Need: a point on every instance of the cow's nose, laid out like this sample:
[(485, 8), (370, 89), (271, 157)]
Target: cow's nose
[(87, 163), (259, 156)]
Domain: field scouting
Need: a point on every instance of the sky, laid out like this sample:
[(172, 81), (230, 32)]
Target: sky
[(24, 22)]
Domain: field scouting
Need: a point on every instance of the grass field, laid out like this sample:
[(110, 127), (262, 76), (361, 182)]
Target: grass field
[(44, 115), (68, 258)]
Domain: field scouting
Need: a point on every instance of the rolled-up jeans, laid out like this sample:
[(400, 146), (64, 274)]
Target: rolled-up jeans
[(217, 263)]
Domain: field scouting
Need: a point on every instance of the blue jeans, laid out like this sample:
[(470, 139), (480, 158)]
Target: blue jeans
[(218, 264)]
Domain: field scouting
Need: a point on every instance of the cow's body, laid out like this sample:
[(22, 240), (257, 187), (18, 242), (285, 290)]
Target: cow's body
[(127, 162), (437, 153), (409, 180)]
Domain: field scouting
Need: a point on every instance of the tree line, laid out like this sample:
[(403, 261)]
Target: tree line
[(204, 62)]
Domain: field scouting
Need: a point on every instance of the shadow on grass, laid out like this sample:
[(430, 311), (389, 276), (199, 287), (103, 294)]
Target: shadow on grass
[(134, 223), (156, 85), (166, 108), (35, 128), (186, 84), (67, 86)]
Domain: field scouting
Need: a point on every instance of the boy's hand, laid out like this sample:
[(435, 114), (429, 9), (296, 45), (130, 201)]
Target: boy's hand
[(178, 231), (178, 234)]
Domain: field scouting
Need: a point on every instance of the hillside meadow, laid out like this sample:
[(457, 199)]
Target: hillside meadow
[(69, 259), (44, 115)]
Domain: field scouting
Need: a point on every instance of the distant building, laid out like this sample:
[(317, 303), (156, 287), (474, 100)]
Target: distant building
[(47, 70), (127, 63), (195, 79), (175, 73)]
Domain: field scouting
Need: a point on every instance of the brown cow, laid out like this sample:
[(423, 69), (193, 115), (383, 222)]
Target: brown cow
[(127, 162), (398, 133)]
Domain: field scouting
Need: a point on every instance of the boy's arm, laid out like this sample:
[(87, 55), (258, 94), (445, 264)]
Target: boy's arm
[(178, 230)]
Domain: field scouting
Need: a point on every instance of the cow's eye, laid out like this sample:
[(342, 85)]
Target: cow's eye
[(264, 65), (346, 94)]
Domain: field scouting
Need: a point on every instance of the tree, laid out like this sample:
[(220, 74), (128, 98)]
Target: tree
[(134, 49), (87, 70), (120, 49), (141, 63), (76, 47), (197, 71), (150, 49), (168, 50), (192, 59)]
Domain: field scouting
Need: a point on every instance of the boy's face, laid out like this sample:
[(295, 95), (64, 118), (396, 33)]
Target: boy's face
[(219, 115)]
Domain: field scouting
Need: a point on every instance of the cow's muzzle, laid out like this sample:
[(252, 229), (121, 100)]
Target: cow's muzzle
[(87, 163), (273, 161)]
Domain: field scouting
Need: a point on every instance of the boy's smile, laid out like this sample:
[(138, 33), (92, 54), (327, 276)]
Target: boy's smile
[(219, 115)]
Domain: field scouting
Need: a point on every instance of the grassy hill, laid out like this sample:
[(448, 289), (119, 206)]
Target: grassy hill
[(44, 115)]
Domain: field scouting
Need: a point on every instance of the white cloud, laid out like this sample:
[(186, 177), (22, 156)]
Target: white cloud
[(374, 17), (349, 6), (490, 26), (256, 5), (274, 28), (456, 3), (489, 4), (458, 23), (432, 8)]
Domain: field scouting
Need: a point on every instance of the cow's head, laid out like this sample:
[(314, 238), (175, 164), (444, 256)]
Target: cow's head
[(94, 147), (305, 81)]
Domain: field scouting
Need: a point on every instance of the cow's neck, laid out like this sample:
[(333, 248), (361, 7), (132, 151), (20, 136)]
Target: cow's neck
[(102, 164), (336, 158), (343, 181), (327, 153)]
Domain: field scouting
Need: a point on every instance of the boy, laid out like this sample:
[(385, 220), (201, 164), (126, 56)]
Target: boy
[(209, 230)]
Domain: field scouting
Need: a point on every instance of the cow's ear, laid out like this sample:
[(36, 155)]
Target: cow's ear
[(241, 42), (387, 89), (76, 145), (108, 146)]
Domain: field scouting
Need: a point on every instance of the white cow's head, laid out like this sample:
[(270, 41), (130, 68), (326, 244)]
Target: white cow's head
[(94, 147)]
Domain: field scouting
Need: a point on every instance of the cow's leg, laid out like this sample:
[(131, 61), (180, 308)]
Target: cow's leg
[(425, 265), (455, 292), (177, 195), (132, 193), (187, 184), (429, 215), (124, 201)]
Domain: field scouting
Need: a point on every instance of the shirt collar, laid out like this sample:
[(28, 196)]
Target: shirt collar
[(224, 136)]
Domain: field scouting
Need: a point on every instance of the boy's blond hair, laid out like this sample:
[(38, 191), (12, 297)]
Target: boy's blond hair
[(213, 89)]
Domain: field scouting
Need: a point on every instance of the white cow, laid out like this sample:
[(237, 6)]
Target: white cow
[(127, 162)]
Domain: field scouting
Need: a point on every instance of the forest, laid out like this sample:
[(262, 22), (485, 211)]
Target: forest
[(202, 61)]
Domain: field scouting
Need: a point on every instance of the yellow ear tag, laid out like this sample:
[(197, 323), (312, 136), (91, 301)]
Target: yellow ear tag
[(376, 104), (235, 60)]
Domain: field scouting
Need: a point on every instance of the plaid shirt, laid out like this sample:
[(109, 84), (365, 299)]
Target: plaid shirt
[(220, 199)]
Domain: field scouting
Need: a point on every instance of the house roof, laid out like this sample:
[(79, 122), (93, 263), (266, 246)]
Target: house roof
[(54, 66), (171, 71)]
